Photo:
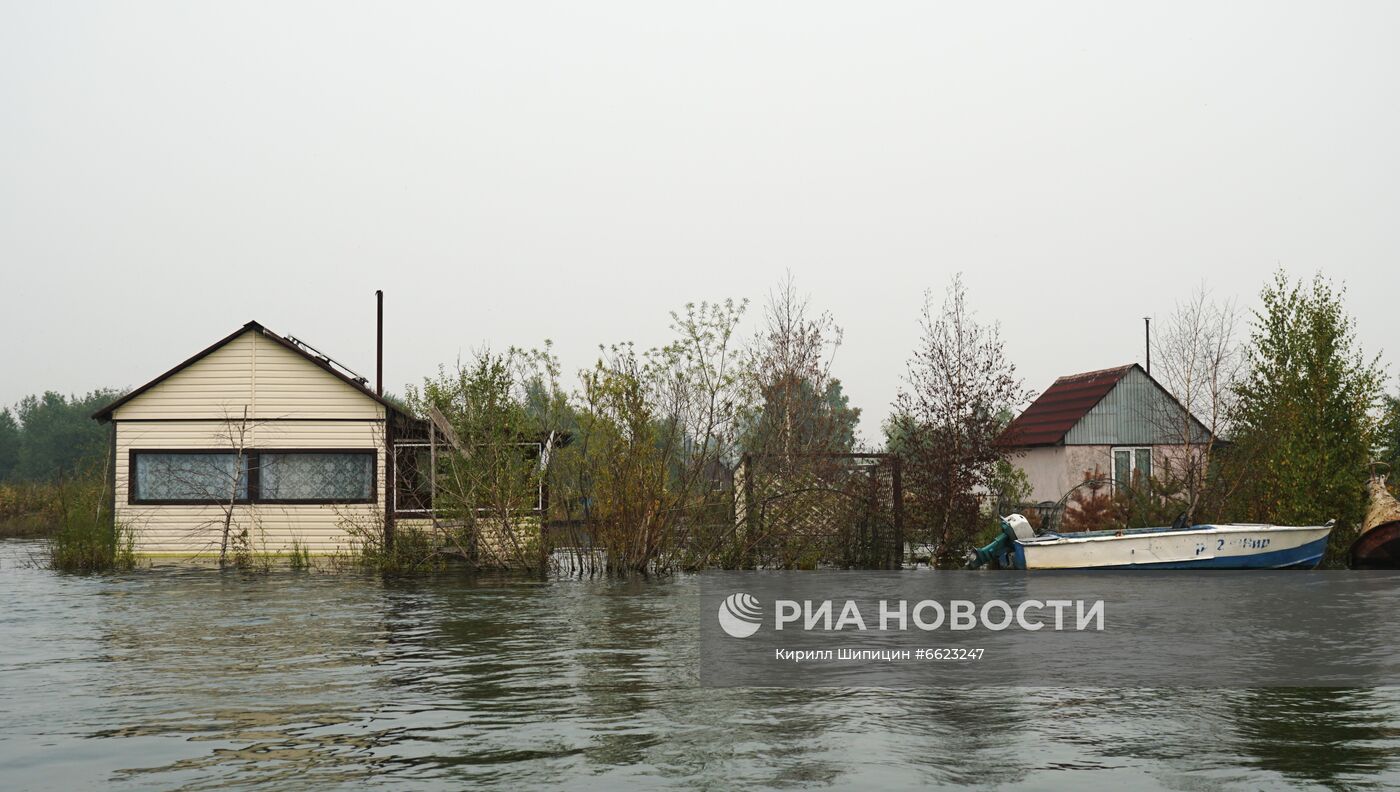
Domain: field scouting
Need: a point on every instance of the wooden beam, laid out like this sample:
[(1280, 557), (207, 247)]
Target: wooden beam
[(443, 425)]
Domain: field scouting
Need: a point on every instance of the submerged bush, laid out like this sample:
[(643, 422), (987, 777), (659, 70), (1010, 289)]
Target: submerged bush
[(87, 539), (412, 550), (91, 546)]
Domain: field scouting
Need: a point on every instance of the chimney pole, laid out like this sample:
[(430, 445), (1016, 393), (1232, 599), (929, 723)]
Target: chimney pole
[(1147, 333), (379, 343)]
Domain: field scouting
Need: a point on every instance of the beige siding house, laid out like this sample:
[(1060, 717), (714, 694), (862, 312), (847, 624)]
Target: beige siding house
[(260, 430)]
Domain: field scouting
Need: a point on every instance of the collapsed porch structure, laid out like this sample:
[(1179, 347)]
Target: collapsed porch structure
[(420, 449)]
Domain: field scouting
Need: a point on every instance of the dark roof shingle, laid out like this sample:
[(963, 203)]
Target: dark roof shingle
[(1050, 417)]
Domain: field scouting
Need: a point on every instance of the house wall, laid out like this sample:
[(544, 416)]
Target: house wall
[(1044, 469), (1053, 470), (1136, 412), (292, 403), (257, 372), (1177, 461)]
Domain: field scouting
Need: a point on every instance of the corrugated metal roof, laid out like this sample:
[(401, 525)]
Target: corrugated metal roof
[(1059, 408)]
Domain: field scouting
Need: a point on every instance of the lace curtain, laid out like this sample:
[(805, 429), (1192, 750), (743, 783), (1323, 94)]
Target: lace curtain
[(189, 477), (316, 477)]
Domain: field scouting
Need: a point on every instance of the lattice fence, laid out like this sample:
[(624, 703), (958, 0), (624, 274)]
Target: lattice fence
[(841, 510)]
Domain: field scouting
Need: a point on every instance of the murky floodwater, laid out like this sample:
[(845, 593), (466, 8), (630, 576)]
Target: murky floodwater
[(197, 679)]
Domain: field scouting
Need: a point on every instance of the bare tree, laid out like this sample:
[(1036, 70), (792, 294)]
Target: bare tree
[(236, 435), (959, 388), (221, 481), (797, 405), (1196, 357)]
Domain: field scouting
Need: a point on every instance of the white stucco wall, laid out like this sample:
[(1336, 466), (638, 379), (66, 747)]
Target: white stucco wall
[(1052, 470)]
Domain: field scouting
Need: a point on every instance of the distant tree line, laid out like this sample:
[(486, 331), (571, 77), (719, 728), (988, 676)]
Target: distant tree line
[(51, 459), (49, 437)]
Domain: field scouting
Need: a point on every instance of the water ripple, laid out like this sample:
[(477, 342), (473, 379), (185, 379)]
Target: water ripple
[(199, 679)]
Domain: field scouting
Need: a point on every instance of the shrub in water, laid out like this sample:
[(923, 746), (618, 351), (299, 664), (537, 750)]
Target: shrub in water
[(87, 539)]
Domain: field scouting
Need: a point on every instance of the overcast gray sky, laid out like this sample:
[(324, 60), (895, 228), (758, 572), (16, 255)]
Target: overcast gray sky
[(515, 171)]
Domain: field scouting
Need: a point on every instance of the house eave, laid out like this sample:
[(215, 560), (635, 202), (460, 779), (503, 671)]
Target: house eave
[(104, 415)]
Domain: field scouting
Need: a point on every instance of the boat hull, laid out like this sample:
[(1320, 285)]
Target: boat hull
[(1378, 548), (1200, 547)]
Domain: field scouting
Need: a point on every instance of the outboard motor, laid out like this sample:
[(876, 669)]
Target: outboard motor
[(1013, 527)]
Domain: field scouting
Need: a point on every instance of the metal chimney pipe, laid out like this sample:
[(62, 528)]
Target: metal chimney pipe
[(1147, 332), (379, 343)]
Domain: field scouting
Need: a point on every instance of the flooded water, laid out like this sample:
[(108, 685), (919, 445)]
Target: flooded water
[(199, 679)]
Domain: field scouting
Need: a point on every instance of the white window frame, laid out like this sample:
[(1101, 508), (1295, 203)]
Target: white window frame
[(1132, 462), (542, 454)]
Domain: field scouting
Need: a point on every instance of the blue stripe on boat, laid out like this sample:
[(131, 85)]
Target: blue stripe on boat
[(1301, 557)]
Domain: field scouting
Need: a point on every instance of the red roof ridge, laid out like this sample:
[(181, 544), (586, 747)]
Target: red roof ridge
[(1119, 370)]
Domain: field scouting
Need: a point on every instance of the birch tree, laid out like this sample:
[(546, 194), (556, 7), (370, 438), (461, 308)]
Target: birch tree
[(1197, 358), (797, 405)]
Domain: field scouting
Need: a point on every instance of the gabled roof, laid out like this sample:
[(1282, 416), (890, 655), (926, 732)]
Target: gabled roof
[(105, 414), (1061, 406)]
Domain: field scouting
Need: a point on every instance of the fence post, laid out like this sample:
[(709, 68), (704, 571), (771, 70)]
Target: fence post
[(897, 481), (390, 475), (750, 519)]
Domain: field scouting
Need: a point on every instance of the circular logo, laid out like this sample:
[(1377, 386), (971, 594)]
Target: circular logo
[(740, 615)]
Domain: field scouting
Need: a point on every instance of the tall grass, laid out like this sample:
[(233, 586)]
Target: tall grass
[(29, 509), (86, 538), (412, 551), (300, 556)]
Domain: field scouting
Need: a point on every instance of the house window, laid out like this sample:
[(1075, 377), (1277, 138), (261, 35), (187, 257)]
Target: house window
[(211, 476), (316, 477), (188, 477), (1131, 462), (413, 486)]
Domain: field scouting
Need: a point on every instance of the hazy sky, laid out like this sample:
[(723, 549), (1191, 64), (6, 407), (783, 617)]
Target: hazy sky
[(515, 171)]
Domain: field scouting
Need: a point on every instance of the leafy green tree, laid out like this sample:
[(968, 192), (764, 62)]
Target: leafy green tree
[(1304, 421), (1389, 445), (795, 491), (487, 480), (809, 421), (845, 418), (658, 436), (545, 400)]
